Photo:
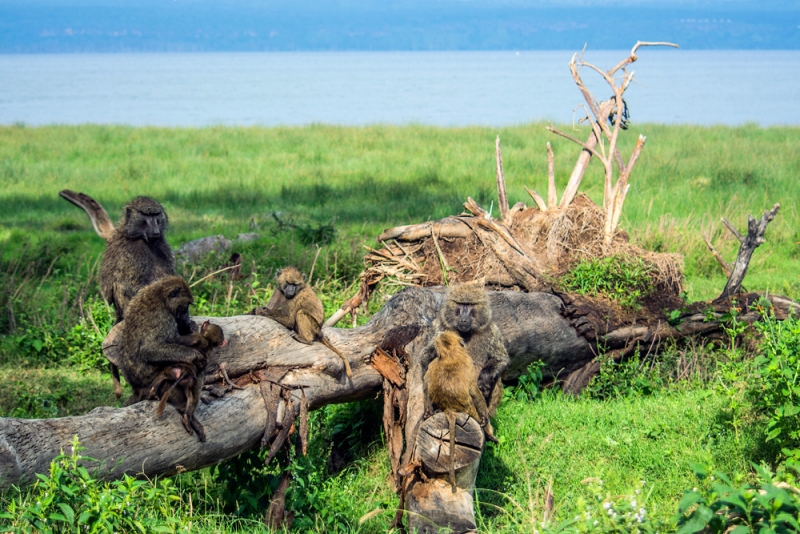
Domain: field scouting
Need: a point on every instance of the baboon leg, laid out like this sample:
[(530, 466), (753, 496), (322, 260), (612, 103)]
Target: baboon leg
[(195, 424), (342, 356), (115, 379), (488, 431), (193, 396), (451, 419), (167, 394)]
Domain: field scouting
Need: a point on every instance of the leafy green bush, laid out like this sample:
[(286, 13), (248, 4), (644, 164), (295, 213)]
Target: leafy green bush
[(529, 384), (620, 278), (70, 499), (775, 388), (81, 344), (626, 378), (771, 506)]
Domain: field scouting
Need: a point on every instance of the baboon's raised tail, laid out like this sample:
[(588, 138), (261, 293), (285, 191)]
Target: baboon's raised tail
[(97, 214)]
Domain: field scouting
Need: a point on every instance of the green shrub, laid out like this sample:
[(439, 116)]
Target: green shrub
[(775, 388), (770, 506), (626, 378), (622, 279), (529, 384), (70, 499)]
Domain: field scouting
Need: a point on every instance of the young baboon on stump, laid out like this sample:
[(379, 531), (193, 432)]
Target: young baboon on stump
[(186, 377), (155, 320), (451, 385), (295, 305), (467, 311), (136, 255)]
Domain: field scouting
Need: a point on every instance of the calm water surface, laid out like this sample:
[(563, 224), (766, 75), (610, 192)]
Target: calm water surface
[(353, 88)]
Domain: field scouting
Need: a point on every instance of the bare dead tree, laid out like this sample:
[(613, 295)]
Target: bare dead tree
[(606, 119)]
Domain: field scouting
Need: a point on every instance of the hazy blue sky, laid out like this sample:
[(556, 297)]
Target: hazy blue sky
[(30, 26)]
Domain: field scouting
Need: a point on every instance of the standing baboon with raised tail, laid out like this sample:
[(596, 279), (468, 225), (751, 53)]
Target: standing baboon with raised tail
[(136, 255), (295, 305), (155, 320)]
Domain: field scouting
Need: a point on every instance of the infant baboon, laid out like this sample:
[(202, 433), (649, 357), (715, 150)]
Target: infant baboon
[(136, 255), (186, 377), (467, 310), (451, 385), (155, 320), (295, 305)]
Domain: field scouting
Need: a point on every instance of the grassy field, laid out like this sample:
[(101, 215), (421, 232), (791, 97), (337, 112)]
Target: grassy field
[(292, 184)]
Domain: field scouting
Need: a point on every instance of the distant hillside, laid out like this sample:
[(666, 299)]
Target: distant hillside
[(203, 25)]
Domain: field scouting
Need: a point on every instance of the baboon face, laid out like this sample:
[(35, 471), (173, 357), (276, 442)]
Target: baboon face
[(144, 219), (290, 281), (178, 296), (467, 308)]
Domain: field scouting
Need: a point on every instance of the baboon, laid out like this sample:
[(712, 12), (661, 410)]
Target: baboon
[(467, 311), (155, 320), (136, 255), (451, 385), (187, 377), (295, 305)]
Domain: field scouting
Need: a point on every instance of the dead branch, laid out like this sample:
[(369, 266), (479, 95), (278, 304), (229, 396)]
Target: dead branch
[(552, 195), (717, 256), (502, 197), (754, 238)]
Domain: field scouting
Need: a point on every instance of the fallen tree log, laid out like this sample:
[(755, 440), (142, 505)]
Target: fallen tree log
[(133, 440), (536, 326)]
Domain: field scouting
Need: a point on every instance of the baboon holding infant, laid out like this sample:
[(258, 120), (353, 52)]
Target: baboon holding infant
[(158, 346), (187, 380), (295, 305), (467, 310)]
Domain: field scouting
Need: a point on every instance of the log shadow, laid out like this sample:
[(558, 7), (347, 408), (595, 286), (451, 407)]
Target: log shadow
[(494, 477)]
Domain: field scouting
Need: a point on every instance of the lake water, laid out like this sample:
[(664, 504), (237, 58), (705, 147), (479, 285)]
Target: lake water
[(355, 88)]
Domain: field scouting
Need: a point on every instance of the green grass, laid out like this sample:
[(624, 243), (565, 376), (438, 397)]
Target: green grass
[(360, 181), (227, 180)]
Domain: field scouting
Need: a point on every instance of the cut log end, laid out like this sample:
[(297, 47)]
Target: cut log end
[(433, 442)]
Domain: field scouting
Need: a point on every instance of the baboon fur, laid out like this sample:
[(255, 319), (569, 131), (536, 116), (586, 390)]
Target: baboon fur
[(184, 376), (466, 310), (451, 385), (155, 320), (295, 305), (136, 255)]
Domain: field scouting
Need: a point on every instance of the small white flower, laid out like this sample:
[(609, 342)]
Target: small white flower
[(638, 492), (610, 511), (712, 477), (595, 523), (633, 503), (606, 505), (694, 489)]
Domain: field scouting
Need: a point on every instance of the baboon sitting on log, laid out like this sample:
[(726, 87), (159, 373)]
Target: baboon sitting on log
[(451, 385), (155, 320), (466, 310), (295, 305)]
